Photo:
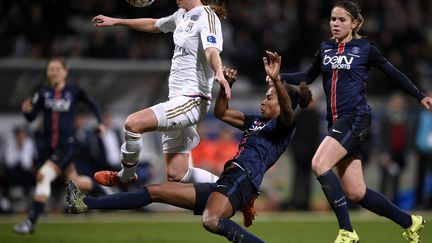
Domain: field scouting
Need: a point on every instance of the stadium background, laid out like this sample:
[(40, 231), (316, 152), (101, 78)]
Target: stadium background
[(127, 70)]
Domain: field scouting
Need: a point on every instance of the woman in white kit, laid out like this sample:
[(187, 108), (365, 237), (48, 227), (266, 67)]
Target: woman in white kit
[(195, 65)]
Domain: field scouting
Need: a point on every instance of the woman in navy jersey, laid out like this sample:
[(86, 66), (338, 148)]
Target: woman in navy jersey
[(344, 62), (265, 138), (58, 102)]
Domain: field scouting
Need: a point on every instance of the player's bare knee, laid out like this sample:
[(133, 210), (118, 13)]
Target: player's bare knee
[(210, 223), (131, 124), (317, 166), (173, 176), (353, 195)]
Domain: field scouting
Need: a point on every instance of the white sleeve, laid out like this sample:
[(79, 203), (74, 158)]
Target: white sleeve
[(210, 30), (169, 23)]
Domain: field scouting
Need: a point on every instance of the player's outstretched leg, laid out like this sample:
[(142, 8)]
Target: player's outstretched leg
[(110, 178), (25, 227), (346, 236), (74, 199), (412, 234)]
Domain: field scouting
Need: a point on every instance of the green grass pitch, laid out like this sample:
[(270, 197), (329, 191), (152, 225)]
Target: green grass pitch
[(184, 227)]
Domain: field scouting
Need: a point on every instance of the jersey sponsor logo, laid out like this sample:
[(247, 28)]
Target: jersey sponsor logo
[(338, 62), (61, 105), (189, 27), (211, 39), (256, 128), (181, 51)]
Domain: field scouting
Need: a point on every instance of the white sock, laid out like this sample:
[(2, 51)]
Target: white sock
[(127, 173), (197, 175)]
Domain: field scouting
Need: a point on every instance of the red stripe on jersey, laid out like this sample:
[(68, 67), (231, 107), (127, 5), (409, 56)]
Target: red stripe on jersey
[(340, 50), (55, 122)]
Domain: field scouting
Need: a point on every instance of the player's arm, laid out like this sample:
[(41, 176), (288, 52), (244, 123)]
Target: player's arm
[(94, 107), (377, 60), (309, 75), (31, 107), (140, 24), (213, 58), (272, 66), (222, 111)]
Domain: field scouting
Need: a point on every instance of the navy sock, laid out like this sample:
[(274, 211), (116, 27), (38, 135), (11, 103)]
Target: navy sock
[(235, 233), (335, 195), (122, 200), (36, 209), (379, 204)]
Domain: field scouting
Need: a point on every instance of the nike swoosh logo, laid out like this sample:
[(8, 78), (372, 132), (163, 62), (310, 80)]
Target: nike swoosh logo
[(221, 186), (336, 131), (339, 200), (327, 50)]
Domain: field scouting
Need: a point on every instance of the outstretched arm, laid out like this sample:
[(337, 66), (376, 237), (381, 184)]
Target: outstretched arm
[(233, 117), (272, 66), (213, 58), (141, 24)]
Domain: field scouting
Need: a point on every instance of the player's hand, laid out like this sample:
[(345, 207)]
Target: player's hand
[(104, 21), (230, 75), (272, 64), (427, 103), (26, 106), (101, 128), (224, 84)]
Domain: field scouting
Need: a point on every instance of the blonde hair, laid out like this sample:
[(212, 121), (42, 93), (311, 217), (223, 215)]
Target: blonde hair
[(218, 6)]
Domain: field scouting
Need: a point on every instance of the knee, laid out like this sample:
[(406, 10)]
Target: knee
[(354, 195), (131, 123), (318, 166), (174, 175), (210, 222)]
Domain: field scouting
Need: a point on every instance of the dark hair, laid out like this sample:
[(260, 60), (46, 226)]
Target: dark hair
[(61, 60), (301, 96), (354, 12), (218, 6)]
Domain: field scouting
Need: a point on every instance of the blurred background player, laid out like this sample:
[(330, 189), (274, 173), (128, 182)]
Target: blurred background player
[(238, 185), (58, 101), (195, 65), (344, 62)]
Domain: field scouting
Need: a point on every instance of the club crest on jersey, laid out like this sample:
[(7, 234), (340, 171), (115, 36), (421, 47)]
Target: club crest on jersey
[(355, 50), (195, 17), (338, 62), (211, 39)]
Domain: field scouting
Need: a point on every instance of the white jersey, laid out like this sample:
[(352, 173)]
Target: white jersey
[(194, 31)]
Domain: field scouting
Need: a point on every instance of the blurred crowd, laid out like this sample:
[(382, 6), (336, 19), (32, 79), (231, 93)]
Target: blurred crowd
[(401, 29)]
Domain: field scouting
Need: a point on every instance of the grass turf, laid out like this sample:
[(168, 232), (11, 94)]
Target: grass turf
[(182, 227)]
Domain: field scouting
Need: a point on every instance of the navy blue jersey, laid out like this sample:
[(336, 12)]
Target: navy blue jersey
[(262, 144), (59, 108), (344, 68)]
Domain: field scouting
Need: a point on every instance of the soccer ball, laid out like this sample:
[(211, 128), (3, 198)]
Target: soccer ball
[(140, 3)]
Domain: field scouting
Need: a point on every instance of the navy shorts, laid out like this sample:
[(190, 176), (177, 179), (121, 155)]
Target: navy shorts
[(233, 183), (62, 155), (350, 131)]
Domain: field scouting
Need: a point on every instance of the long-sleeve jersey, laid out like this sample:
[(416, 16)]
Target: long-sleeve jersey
[(59, 108), (344, 68), (263, 143)]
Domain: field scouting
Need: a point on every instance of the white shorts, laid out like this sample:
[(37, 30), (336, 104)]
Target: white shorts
[(177, 119)]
